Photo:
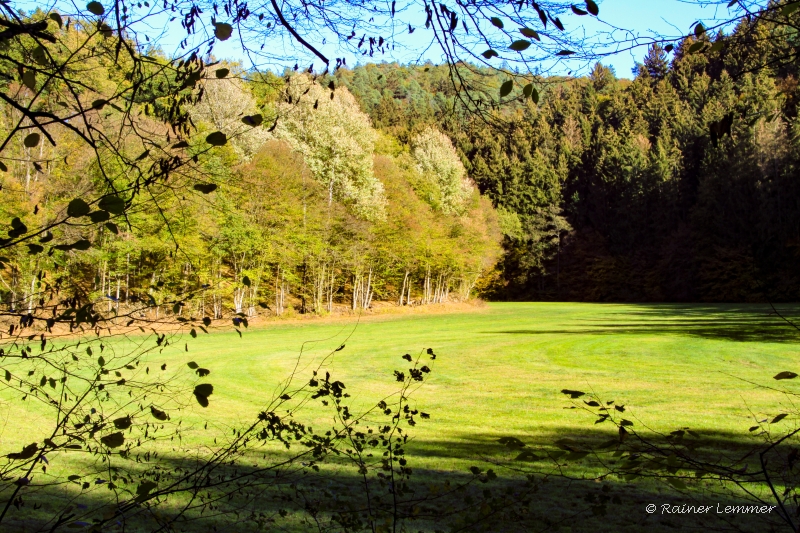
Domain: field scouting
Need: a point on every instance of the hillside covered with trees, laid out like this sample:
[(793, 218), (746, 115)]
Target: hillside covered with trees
[(680, 185)]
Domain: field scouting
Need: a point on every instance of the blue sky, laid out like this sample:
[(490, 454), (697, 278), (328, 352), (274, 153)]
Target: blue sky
[(640, 17)]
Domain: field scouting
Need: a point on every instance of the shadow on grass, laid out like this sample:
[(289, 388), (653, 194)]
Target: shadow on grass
[(723, 322), (524, 497)]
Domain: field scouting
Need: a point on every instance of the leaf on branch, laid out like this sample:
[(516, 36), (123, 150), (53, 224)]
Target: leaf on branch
[(572, 393), (699, 29), (531, 34), (203, 372), (779, 418), (202, 392), (520, 45), (32, 140), (114, 440), (246, 281), (789, 8), (99, 104), (113, 204), (220, 73), (110, 226), (55, 17), (592, 8), (205, 188), (158, 414), (696, 47), (34, 249), (506, 88), (223, 31), (95, 8), (123, 423), (29, 80), (527, 455), (785, 375), (530, 92), (82, 244), (497, 22), (99, 216), (488, 54), (26, 453), (217, 139), (192, 365), (78, 208), (564, 53), (143, 490), (669, 48), (253, 120), (578, 11), (3, 167)]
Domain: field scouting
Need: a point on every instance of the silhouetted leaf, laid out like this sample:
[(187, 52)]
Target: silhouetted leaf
[(253, 120), (223, 31), (113, 204), (527, 455), (221, 72), (95, 8), (572, 393), (488, 54), (669, 48), (26, 453), (143, 490), (520, 45), (205, 188), (217, 139), (246, 281), (578, 11), (699, 30), (99, 216), (506, 88), (34, 249), (29, 80), (202, 392), (497, 22), (123, 423), (565, 53), (78, 208), (82, 244), (527, 32), (57, 19), (32, 140), (785, 375), (696, 47), (158, 414), (3, 167), (778, 418), (110, 226), (192, 365), (113, 440), (203, 372), (592, 8)]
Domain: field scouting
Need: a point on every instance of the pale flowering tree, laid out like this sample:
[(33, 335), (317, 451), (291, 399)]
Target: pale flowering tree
[(444, 183), (226, 101), (336, 140)]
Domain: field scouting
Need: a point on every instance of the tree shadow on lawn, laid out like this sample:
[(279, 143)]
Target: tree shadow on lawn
[(547, 500), (720, 322)]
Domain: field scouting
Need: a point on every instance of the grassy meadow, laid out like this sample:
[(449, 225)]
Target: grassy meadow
[(499, 371)]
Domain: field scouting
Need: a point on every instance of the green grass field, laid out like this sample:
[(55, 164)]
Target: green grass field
[(499, 372)]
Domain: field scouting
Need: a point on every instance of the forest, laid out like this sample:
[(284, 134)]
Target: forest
[(678, 185)]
